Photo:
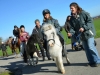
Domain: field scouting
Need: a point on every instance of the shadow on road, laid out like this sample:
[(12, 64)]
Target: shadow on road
[(70, 50), (20, 68), (6, 58)]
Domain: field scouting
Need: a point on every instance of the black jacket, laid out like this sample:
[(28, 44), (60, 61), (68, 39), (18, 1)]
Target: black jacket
[(3, 47), (67, 27), (37, 31), (16, 33)]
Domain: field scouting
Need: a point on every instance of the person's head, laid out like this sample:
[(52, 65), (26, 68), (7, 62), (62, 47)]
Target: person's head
[(15, 27), (37, 23), (22, 27), (46, 13), (75, 8), (68, 18), (2, 42)]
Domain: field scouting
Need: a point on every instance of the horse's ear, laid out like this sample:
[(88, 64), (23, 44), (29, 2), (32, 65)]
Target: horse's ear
[(49, 27)]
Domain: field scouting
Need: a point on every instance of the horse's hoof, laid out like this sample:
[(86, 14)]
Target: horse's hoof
[(63, 72)]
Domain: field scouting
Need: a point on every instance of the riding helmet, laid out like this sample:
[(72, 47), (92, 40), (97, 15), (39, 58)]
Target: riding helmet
[(22, 26), (45, 11), (15, 26)]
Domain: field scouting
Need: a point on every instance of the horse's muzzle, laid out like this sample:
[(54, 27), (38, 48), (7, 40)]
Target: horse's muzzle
[(51, 44)]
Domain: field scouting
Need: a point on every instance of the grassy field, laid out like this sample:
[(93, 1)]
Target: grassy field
[(97, 27), (6, 73)]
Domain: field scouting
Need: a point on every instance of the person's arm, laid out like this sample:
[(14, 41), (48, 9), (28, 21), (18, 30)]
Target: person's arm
[(66, 27), (6, 46), (14, 32), (87, 19), (57, 25)]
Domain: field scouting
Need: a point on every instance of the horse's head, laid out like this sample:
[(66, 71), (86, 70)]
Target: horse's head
[(49, 32), (34, 38)]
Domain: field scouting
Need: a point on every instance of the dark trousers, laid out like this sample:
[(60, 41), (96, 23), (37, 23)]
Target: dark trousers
[(4, 52), (42, 49), (45, 47)]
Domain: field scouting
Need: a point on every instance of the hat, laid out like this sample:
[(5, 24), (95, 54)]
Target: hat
[(22, 26)]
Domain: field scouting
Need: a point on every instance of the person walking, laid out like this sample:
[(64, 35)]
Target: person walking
[(4, 49), (82, 22), (37, 30)]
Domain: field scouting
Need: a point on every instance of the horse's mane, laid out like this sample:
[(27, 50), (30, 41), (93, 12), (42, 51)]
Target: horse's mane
[(19, 31), (47, 27), (34, 38)]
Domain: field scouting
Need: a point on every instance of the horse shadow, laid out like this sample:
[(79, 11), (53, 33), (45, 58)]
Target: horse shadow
[(6, 58), (22, 68)]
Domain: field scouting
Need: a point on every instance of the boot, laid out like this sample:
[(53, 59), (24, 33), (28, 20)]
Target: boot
[(43, 58), (62, 42)]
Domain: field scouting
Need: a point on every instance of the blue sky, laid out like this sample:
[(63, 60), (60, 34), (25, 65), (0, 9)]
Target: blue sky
[(18, 12)]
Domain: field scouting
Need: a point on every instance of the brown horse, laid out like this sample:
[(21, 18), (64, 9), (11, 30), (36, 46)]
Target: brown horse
[(13, 44)]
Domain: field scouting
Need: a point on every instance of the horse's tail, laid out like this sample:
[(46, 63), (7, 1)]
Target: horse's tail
[(25, 56)]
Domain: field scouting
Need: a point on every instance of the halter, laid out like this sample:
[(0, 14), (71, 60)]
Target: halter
[(49, 28), (50, 40)]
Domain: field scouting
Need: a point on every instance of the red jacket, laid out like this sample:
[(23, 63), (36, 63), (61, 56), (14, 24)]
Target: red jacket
[(24, 37)]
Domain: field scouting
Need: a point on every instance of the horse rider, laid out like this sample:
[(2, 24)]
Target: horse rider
[(16, 33), (37, 30), (49, 19)]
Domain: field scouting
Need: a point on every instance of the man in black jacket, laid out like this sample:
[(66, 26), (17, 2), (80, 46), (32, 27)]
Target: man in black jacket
[(37, 30), (4, 48)]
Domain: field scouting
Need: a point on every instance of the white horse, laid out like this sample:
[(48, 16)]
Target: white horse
[(54, 46)]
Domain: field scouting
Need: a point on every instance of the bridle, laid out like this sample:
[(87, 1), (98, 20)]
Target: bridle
[(52, 39)]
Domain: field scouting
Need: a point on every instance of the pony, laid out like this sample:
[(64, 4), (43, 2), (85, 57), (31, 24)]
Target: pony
[(30, 52), (54, 46)]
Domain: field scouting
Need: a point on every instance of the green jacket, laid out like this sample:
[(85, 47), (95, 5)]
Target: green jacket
[(84, 20)]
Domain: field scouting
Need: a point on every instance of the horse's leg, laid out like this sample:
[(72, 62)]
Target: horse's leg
[(33, 62), (35, 55), (60, 64), (56, 61), (66, 54), (29, 58)]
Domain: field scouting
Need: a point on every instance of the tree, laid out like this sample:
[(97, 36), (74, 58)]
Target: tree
[(0, 40)]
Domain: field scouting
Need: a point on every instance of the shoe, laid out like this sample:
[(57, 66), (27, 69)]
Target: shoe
[(94, 64)]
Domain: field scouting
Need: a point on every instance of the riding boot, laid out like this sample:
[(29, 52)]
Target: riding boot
[(62, 42), (47, 51)]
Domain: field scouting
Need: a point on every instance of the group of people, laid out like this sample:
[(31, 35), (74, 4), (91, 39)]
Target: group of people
[(79, 21)]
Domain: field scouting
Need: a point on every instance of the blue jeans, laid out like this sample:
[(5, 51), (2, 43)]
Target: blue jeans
[(22, 47), (91, 51)]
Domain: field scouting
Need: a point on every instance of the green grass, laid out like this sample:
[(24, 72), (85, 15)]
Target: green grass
[(6, 73), (8, 51), (97, 27)]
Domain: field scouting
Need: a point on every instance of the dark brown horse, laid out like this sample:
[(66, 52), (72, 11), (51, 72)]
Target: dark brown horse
[(13, 44), (31, 49)]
